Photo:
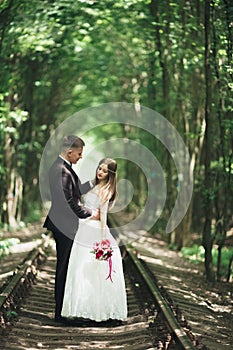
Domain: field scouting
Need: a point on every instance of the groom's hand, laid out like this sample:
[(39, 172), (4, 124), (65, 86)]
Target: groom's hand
[(96, 214)]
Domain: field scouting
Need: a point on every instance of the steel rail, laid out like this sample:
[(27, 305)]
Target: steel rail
[(17, 289), (182, 339), (21, 280)]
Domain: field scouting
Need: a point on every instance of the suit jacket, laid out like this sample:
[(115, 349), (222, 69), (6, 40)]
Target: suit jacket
[(66, 190)]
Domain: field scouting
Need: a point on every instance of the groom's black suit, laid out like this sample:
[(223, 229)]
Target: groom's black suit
[(66, 190)]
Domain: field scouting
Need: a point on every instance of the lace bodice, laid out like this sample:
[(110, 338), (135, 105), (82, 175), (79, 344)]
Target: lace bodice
[(91, 199), (97, 229)]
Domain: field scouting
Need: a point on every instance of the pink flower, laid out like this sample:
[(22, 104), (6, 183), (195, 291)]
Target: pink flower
[(105, 244), (96, 245)]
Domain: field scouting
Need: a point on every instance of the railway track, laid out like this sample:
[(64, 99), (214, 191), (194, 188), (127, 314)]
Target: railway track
[(26, 311)]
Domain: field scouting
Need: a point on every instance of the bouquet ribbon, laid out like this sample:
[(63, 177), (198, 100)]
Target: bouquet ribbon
[(110, 269)]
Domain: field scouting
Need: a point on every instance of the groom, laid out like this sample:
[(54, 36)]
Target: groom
[(66, 208)]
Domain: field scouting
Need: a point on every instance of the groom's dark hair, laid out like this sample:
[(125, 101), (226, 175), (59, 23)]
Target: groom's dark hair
[(72, 141)]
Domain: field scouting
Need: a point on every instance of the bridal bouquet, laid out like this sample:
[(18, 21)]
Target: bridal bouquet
[(103, 251)]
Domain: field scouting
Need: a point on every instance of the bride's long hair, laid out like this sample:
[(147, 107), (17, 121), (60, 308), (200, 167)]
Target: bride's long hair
[(111, 178)]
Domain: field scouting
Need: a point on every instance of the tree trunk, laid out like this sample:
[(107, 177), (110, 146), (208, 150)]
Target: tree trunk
[(166, 111), (207, 239)]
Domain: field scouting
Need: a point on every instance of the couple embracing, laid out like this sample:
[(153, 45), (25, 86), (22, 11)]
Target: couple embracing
[(89, 281)]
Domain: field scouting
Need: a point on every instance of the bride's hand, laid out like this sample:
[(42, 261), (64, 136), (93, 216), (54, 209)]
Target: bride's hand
[(96, 214)]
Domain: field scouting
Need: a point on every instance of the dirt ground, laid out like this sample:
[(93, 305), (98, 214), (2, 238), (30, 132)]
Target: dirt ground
[(208, 307)]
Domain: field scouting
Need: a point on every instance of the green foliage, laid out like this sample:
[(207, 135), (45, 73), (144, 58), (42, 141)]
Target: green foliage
[(58, 57), (33, 214), (6, 244), (196, 255), (11, 315), (10, 120)]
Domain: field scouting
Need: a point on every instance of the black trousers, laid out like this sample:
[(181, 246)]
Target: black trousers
[(63, 247)]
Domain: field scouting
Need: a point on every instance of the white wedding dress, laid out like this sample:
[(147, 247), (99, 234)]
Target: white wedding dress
[(88, 292)]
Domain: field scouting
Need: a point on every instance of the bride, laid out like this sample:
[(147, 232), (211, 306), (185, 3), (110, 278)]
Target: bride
[(95, 286)]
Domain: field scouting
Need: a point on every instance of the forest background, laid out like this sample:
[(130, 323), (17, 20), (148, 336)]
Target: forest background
[(175, 57)]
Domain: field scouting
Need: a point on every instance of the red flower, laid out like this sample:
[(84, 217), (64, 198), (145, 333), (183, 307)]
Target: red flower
[(99, 254), (109, 253)]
